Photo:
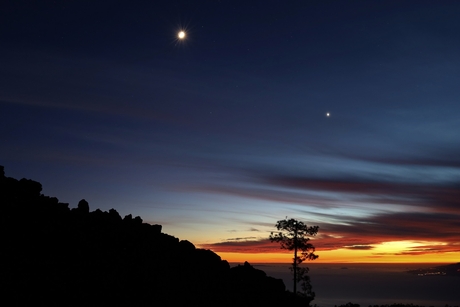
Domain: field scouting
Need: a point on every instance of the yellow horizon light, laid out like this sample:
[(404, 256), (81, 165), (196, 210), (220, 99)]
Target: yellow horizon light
[(387, 252)]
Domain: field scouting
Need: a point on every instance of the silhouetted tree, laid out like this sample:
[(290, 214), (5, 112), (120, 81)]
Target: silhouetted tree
[(292, 236)]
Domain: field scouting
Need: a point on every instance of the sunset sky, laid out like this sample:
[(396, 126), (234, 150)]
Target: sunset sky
[(218, 135)]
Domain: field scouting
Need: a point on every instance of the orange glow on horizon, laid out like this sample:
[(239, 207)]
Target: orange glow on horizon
[(387, 252), (340, 256)]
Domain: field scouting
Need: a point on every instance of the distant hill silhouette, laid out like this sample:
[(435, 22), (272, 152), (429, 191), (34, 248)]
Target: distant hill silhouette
[(57, 256)]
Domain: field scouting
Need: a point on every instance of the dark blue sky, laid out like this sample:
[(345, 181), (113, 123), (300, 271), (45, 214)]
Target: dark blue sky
[(219, 135)]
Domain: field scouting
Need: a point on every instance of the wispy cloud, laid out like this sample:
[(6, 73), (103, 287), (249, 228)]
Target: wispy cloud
[(366, 233), (242, 239), (360, 247), (396, 211), (243, 246)]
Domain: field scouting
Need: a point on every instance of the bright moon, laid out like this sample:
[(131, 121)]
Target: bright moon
[(327, 114), (181, 35)]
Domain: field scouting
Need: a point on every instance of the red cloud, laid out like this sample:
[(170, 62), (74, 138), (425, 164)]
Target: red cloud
[(364, 233)]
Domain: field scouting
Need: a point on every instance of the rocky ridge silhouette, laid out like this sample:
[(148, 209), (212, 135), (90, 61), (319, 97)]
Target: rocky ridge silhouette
[(58, 256)]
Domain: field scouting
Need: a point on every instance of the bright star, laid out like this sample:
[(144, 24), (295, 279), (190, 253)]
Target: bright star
[(328, 114)]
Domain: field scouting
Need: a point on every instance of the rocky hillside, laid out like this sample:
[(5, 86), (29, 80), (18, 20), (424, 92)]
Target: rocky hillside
[(57, 256)]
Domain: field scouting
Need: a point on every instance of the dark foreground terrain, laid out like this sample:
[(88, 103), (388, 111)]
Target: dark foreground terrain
[(57, 256)]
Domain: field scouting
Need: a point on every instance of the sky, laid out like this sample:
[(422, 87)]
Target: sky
[(341, 114)]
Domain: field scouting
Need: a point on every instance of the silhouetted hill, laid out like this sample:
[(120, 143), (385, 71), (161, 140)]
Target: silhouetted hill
[(57, 256)]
